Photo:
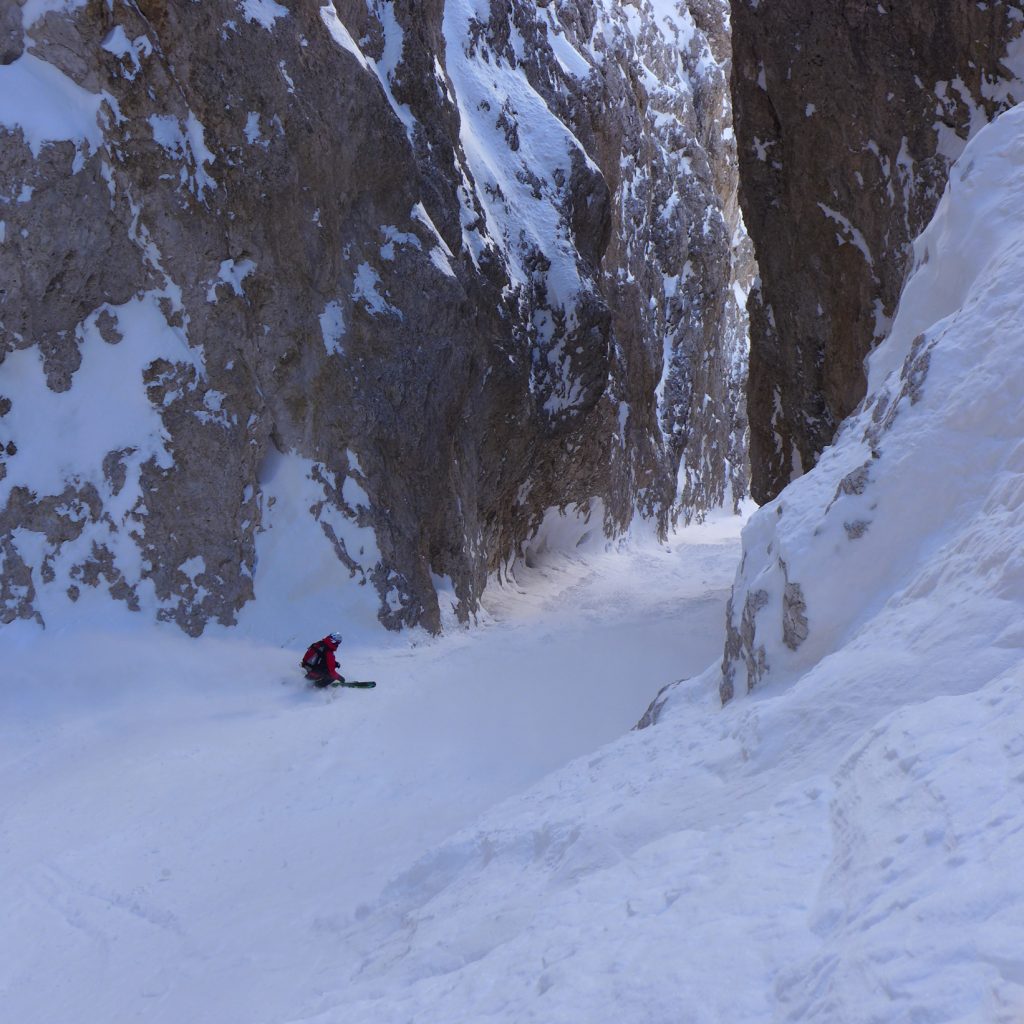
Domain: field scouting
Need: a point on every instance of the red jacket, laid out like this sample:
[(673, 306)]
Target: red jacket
[(331, 663), (328, 666)]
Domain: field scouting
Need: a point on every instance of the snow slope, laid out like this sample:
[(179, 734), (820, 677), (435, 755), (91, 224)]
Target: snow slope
[(843, 843), (194, 843), (901, 554), (904, 541)]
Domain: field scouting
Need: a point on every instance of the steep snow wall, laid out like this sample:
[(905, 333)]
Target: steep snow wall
[(877, 615), (896, 563), (848, 116), (395, 277)]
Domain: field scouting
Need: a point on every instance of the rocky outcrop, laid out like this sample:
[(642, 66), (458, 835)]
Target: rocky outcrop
[(464, 261), (848, 116)]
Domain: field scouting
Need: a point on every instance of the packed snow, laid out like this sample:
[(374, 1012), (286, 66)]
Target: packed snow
[(192, 834)]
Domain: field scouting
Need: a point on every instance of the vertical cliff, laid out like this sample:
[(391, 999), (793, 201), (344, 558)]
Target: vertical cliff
[(409, 273), (848, 116)]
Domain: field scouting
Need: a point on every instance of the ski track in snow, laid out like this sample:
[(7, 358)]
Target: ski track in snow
[(203, 840)]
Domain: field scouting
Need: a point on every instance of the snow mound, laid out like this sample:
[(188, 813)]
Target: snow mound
[(902, 547)]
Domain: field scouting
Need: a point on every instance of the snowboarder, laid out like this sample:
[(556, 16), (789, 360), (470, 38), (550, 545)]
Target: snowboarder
[(320, 663)]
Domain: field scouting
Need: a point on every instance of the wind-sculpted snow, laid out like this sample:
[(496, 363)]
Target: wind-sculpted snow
[(906, 531), (476, 259)]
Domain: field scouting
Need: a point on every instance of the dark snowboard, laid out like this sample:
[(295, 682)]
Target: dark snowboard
[(355, 684)]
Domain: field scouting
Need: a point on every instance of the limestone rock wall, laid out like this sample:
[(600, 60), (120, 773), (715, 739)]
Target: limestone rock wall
[(848, 116), (465, 260)]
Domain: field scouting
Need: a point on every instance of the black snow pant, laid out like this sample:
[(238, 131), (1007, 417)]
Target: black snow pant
[(322, 679)]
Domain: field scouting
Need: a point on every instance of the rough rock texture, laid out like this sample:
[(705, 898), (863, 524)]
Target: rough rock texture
[(848, 116), (467, 260)]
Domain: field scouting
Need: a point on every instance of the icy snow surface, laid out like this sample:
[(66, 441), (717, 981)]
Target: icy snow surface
[(205, 839)]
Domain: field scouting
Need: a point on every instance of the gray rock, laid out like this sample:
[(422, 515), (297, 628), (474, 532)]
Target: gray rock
[(653, 713), (741, 645), (848, 117), (794, 616), (12, 36), (856, 529), (328, 265)]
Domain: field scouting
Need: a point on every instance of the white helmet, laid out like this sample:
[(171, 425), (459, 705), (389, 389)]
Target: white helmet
[(336, 637)]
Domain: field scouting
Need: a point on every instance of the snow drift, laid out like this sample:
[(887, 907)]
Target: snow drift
[(897, 562)]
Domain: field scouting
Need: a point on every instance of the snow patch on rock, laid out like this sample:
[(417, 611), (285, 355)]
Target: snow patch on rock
[(46, 106)]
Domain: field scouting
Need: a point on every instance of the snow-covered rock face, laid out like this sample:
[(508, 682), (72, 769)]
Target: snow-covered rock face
[(848, 116), (896, 563), (396, 275)]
